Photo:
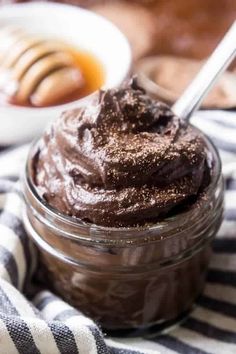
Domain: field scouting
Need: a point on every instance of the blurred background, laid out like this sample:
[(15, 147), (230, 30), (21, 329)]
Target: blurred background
[(176, 28), (187, 28), (169, 42)]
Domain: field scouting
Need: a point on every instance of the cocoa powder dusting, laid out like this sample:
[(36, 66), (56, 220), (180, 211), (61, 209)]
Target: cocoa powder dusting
[(123, 160)]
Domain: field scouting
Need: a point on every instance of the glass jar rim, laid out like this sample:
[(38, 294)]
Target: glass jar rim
[(76, 222)]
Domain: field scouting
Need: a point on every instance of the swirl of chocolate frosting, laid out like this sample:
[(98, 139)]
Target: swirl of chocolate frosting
[(123, 160)]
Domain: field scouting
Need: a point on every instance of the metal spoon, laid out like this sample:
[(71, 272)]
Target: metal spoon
[(217, 63)]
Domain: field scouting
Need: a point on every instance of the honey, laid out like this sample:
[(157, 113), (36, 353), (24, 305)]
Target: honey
[(41, 72), (92, 71)]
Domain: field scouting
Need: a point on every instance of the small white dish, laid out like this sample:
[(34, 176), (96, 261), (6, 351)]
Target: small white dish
[(82, 29)]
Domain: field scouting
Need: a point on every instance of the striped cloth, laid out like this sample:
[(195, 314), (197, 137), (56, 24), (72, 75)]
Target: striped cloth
[(43, 323)]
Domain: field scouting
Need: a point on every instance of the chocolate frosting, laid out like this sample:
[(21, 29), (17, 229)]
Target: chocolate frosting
[(123, 160)]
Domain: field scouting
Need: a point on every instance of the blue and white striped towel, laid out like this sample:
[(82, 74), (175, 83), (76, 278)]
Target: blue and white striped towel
[(45, 324)]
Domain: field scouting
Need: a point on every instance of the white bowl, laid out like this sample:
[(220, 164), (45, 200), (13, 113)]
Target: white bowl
[(81, 28)]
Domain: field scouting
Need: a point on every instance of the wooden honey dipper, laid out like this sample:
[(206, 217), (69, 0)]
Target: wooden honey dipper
[(36, 71)]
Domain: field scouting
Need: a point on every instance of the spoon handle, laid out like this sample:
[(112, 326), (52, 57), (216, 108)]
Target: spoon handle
[(220, 59)]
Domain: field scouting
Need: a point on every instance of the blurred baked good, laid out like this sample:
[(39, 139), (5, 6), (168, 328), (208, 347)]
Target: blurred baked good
[(166, 77)]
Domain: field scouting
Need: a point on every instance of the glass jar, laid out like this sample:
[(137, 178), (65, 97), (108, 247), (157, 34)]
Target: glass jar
[(127, 278)]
